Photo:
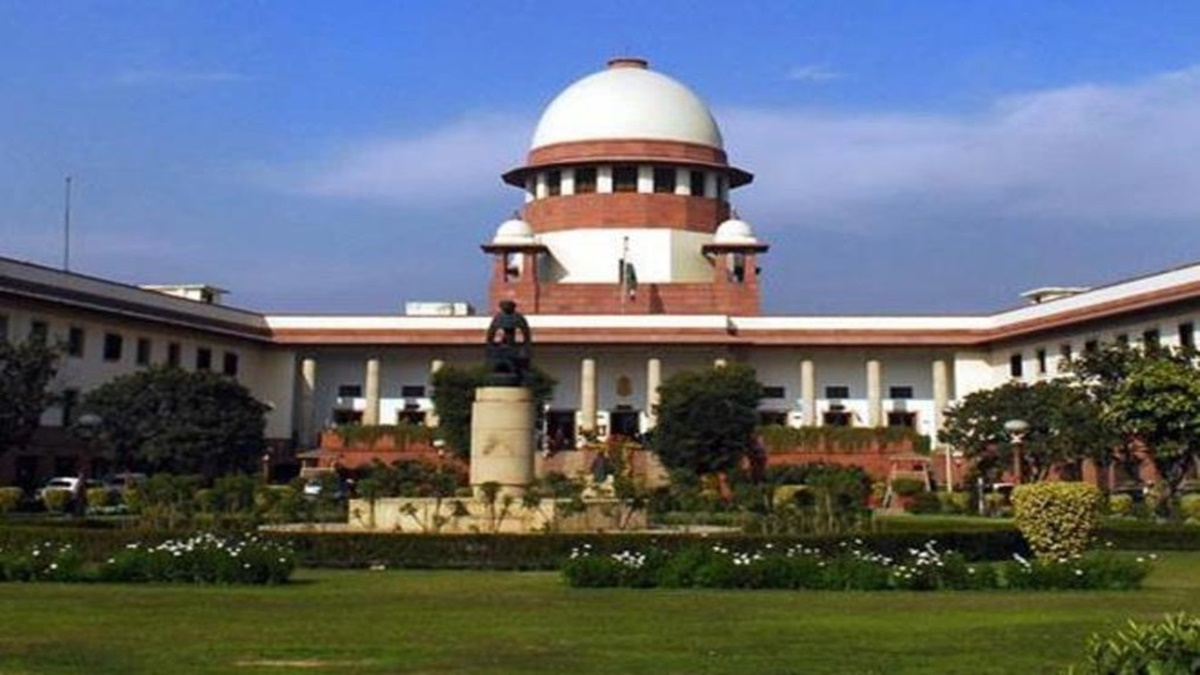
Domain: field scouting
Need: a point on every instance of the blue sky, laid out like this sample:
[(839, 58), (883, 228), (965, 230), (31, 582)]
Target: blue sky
[(343, 157)]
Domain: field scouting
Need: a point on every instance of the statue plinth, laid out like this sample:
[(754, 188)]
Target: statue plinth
[(502, 440)]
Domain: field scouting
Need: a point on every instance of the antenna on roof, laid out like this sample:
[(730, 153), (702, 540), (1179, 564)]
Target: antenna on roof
[(67, 228)]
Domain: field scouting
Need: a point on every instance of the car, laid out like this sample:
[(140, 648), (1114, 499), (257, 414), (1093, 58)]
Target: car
[(120, 482), (71, 484), (317, 487), (65, 483)]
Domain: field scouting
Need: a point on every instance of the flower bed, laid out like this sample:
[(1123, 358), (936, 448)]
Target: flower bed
[(202, 559), (850, 567)]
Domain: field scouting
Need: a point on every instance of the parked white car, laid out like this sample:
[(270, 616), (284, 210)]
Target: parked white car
[(67, 484)]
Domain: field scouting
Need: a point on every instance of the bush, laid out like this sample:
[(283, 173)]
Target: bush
[(1057, 519), (907, 487), (45, 561), (10, 498), (1189, 508), (57, 501), (1171, 647), (99, 498), (1097, 571), (1120, 505), (956, 503), (925, 503), (203, 558), (849, 566)]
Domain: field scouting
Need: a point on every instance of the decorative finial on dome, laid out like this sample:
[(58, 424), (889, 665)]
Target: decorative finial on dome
[(628, 62)]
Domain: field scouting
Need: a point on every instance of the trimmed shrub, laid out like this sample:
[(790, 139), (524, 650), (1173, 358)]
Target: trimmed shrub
[(848, 567), (1057, 519), (925, 503), (1120, 505), (907, 487), (57, 501), (98, 498), (1170, 647), (956, 503), (10, 497), (1189, 508)]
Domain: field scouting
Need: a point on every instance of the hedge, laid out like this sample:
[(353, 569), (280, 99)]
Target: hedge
[(549, 551)]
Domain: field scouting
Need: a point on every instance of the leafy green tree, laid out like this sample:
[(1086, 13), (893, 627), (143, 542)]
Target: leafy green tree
[(454, 394), (1157, 407), (1064, 428), (26, 370), (169, 419), (706, 419)]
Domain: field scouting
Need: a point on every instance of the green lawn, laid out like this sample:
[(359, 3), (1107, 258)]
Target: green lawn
[(501, 622)]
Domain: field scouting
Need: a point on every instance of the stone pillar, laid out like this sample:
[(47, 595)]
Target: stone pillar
[(874, 393), (941, 399), (502, 445), (587, 395), (371, 391), (431, 418), (941, 393), (306, 425), (653, 382), (808, 392)]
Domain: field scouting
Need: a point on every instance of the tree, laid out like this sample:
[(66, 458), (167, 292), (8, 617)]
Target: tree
[(706, 419), (1064, 427), (168, 419), (1150, 395), (1157, 407), (26, 370), (454, 395)]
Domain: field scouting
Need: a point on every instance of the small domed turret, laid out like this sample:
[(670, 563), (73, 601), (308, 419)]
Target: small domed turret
[(513, 232), (733, 232)]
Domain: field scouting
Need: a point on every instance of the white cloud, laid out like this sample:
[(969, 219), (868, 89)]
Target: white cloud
[(1088, 154), (813, 73), (453, 164), (173, 78)]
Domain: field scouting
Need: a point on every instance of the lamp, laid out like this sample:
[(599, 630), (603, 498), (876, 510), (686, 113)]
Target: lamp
[(1016, 430)]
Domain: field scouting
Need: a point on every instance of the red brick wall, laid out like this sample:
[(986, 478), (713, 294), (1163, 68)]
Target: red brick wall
[(626, 209)]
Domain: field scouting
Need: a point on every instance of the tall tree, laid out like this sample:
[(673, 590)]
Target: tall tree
[(1064, 427), (169, 419), (706, 418), (1156, 405), (26, 370)]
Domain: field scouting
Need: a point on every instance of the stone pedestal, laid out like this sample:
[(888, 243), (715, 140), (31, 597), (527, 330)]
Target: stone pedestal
[(502, 440)]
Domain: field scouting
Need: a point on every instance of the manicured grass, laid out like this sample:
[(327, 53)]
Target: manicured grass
[(503, 622)]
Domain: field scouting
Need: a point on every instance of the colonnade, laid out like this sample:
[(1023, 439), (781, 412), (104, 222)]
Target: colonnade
[(589, 399)]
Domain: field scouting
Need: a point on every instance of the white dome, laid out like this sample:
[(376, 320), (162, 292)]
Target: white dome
[(734, 231), (627, 101), (513, 232)]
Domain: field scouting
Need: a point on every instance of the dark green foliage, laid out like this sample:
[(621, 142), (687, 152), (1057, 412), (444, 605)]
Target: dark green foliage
[(26, 370), (202, 558), (172, 420), (1170, 647), (706, 419), (778, 438), (402, 434), (847, 567), (1064, 428), (410, 479), (454, 393), (1155, 405)]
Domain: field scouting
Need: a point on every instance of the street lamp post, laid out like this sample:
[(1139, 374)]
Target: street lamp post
[(88, 423), (1016, 430)]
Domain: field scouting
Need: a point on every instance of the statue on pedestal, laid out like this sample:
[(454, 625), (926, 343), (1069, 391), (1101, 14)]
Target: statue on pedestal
[(508, 347)]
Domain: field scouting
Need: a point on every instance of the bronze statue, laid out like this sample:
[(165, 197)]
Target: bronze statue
[(508, 347)]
